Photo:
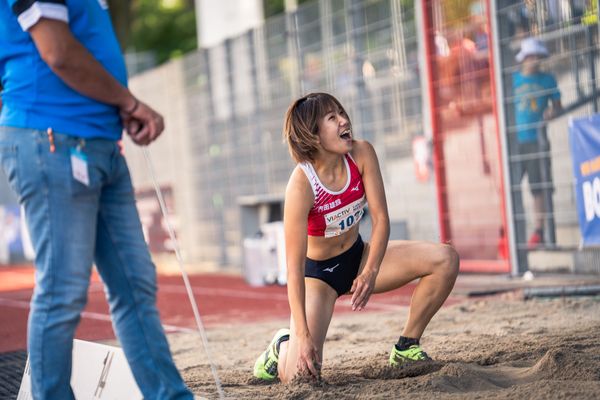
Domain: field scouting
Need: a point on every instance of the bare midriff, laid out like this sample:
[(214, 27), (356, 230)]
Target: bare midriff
[(322, 248)]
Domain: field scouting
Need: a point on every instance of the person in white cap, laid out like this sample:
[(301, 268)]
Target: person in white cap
[(537, 98)]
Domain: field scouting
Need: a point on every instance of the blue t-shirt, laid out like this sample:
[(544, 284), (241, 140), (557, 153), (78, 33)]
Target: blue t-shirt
[(532, 96), (33, 96)]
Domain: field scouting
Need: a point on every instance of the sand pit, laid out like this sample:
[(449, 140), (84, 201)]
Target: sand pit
[(494, 348)]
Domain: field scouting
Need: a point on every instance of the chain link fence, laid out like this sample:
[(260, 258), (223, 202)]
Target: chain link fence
[(224, 158), (545, 214), (225, 107)]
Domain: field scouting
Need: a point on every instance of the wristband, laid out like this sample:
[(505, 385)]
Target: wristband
[(135, 107)]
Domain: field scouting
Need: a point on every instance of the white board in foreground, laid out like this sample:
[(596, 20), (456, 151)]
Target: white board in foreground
[(99, 372)]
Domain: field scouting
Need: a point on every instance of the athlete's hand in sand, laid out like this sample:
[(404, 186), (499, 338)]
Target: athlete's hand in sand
[(309, 363), (362, 288), (142, 123)]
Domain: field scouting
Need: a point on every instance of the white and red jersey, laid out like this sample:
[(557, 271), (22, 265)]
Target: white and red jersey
[(333, 213)]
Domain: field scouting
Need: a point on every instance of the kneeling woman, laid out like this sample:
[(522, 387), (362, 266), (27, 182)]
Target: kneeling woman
[(325, 200)]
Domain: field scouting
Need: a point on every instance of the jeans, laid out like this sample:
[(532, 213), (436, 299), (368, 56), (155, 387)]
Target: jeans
[(73, 226)]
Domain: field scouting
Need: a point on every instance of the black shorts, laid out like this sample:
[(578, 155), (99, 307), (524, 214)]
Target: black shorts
[(533, 165), (339, 271)]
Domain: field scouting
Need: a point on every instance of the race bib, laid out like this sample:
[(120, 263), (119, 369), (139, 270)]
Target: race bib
[(342, 219)]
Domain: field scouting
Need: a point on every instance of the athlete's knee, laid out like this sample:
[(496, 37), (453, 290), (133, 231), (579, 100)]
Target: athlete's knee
[(448, 261)]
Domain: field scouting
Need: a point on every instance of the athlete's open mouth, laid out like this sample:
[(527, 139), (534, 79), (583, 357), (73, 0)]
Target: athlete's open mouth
[(346, 135)]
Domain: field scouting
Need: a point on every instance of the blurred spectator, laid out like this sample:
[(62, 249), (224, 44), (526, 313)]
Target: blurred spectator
[(157, 235), (313, 73), (590, 14), (441, 45), (537, 98)]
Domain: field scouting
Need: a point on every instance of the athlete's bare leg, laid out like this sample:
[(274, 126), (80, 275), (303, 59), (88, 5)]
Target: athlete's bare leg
[(437, 267), (320, 301)]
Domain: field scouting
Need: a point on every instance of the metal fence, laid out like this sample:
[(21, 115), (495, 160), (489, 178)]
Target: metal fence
[(227, 165), (232, 163), (569, 30)]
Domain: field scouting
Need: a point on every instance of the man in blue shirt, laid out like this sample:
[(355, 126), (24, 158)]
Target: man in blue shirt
[(537, 99), (65, 101)]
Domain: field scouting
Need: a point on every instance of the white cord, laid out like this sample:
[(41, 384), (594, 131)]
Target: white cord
[(188, 287)]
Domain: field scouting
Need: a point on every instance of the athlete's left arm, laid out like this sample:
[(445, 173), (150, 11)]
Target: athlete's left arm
[(367, 161)]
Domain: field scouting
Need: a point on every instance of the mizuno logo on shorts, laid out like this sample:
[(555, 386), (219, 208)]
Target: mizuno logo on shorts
[(330, 269)]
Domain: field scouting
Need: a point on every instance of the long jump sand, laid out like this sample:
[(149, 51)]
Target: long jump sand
[(499, 347)]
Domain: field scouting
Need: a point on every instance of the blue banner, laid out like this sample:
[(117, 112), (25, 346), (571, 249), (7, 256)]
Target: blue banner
[(585, 150)]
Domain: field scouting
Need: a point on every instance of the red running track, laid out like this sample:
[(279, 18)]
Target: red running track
[(222, 300)]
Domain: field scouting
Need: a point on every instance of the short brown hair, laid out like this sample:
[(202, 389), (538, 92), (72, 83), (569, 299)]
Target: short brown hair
[(300, 127)]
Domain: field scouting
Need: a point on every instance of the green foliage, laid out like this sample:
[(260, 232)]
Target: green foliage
[(408, 5), (274, 7), (120, 12), (166, 27)]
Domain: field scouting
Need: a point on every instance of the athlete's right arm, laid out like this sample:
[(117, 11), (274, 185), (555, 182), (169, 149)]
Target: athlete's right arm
[(298, 201), (78, 69)]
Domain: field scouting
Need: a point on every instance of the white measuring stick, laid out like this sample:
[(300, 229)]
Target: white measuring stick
[(186, 280)]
